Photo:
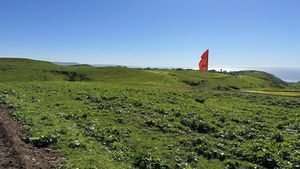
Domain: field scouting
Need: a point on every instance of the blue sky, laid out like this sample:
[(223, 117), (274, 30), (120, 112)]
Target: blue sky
[(153, 32)]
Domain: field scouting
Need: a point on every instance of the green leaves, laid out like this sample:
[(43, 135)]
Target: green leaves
[(42, 141), (135, 126), (144, 160)]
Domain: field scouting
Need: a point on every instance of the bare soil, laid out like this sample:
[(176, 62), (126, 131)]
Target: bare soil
[(16, 154)]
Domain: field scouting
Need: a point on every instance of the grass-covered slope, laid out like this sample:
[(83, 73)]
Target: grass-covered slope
[(296, 85), (274, 82), (31, 70), (110, 125), (15, 69), (23, 70), (226, 81), (117, 117)]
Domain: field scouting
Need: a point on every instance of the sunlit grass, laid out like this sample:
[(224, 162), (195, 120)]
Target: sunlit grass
[(277, 93)]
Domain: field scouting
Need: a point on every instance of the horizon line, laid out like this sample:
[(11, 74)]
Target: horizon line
[(210, 67)]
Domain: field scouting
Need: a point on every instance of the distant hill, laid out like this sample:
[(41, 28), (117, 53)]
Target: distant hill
[(66, 63), (273, 80), (76, 63), (296, 85), (104, 65), (12, 70), (18, 69), (226, 81)]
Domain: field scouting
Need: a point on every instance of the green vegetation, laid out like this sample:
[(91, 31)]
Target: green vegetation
[(225, 81), (274, 82), (16, 70), (277, 93), (296, 85), (128, 118)]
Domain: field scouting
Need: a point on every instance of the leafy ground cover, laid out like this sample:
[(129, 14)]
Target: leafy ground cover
[(296, 85), (118, 125), (278, 93)]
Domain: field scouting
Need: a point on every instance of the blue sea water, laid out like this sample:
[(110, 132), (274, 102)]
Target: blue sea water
[(288, 74)]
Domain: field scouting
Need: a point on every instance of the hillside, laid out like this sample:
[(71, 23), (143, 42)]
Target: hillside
[(31, 70), (296, 85), (226, 81), (273, 80), (117, 117), (113, 125), (15, 69), (24, 70)]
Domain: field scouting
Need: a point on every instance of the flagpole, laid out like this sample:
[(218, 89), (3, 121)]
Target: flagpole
[(205, 72)]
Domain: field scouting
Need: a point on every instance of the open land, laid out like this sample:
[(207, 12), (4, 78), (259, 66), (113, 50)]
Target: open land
[(116, 117)]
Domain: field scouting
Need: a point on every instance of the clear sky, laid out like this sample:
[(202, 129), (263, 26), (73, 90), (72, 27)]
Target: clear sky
[(153, 32)]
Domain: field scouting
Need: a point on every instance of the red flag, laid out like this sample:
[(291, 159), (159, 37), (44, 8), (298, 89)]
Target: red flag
[(203, 64)]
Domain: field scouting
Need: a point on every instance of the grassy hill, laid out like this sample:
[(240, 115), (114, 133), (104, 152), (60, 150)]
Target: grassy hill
[(14, 69), (32, 70), (116, 117), (296, 85), (226, 81), (22, 70), (274, 82)]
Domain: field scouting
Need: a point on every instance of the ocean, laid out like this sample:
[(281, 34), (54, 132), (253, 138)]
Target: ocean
[(288, 74)]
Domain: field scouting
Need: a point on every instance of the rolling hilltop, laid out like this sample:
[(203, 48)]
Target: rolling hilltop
[(12, 70), (296, 85)]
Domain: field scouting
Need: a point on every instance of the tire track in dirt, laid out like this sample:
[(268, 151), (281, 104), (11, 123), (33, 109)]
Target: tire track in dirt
[(16, 154)]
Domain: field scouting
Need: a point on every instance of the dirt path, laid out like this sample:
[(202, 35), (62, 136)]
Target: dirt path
[(15, 154), (8, 156)]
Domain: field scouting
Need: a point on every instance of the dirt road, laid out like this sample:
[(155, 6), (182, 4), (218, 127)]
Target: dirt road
[(8, 156)]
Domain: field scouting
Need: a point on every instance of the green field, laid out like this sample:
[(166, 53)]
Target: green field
[(296, 85), (277, 93), (24, 70), (116, 117)]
